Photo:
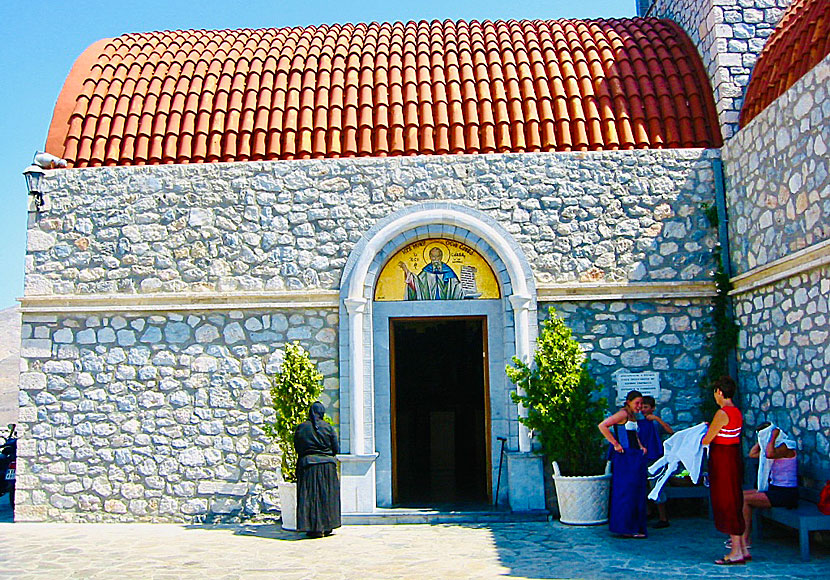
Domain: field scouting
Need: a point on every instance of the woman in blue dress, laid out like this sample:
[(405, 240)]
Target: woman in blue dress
[(629, 483)]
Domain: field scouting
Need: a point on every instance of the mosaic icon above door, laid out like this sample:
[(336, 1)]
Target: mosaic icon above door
[(436, 269)]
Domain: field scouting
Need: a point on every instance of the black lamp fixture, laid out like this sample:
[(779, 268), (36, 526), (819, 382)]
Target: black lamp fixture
[(33, 173)]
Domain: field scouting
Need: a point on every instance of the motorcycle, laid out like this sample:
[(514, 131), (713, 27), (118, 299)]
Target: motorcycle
[(8, 464)]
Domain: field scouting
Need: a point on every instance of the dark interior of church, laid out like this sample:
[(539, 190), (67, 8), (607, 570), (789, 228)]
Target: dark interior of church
[(439, 399)]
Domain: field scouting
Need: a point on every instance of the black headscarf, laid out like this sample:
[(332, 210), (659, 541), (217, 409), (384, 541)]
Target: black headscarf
[(316, 415), (315, 437)]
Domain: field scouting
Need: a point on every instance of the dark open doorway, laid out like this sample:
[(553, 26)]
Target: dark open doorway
[(440, 426)]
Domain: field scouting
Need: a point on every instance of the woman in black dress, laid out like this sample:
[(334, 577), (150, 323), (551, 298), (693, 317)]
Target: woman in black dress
[(318, 489)]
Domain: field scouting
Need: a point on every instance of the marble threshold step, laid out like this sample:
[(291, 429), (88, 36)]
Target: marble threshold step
[(389, 516)]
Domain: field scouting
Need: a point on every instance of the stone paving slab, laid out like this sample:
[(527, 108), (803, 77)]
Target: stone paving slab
[(513, 550)]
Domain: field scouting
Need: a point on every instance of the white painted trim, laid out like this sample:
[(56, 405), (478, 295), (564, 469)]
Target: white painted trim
[(573, 292), (180, 302), (288, 299), (360, 289), (351, 458), (521, 308), (799, 262), (357, 309)]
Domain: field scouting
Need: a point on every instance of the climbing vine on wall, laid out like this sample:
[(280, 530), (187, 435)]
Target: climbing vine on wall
[(724, 338)]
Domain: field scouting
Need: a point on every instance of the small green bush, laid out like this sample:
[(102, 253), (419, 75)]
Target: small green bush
[(563, 402), (294, 389)]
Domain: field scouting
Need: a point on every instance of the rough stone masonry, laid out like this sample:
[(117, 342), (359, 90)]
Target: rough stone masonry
[(147, 411)]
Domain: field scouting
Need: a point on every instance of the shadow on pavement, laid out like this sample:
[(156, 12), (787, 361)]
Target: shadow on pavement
[(6, 512), (686, 549), (259, 530)]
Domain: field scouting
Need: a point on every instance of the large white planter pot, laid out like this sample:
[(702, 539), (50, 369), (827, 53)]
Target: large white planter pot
[(583, 500), (288, 506)]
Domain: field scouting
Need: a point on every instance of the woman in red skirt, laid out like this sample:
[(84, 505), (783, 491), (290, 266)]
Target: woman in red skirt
[(726, 472)]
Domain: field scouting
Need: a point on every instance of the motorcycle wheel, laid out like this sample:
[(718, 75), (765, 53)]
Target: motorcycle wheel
[(11, 498)]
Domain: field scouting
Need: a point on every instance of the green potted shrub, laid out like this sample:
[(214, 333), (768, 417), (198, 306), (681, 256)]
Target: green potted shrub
[(564, 407), (295, 387)]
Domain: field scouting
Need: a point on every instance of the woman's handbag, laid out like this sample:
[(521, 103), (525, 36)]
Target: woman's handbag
[(824, 499)]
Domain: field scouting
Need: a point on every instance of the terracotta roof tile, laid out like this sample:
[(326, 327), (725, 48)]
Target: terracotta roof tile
[(384, 89), (799, 42)]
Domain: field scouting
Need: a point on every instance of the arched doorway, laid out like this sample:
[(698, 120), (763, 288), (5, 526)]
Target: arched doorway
[(368, 333)]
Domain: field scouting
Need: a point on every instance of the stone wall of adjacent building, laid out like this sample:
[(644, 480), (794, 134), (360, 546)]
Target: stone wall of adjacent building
[(157, 417), (290, 225), (778, 175), (729, 34), (669, 337), (784, 363), (778, 188)]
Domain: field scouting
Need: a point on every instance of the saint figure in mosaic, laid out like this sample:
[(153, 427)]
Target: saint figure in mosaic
[(436, 281)]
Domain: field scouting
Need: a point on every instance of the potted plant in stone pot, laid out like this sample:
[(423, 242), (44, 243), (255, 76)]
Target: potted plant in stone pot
[(295, 387), (564, 408)]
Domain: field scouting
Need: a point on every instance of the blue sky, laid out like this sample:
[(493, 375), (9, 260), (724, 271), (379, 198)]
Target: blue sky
[(39, 42)]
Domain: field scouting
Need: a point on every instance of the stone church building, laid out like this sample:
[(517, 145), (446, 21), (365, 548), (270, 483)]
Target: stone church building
[(407, 200)]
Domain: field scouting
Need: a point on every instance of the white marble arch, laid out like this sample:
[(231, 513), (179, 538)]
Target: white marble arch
[(513, 318)]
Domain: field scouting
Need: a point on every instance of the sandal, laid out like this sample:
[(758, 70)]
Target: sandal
[(726, 561)]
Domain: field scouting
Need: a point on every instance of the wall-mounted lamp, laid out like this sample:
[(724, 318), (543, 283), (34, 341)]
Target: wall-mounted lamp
[(33, 173)]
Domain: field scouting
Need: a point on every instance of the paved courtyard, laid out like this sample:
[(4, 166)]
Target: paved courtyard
[(513, 550)]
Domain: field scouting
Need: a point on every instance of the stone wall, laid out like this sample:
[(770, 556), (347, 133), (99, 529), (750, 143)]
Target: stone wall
[(666, 336), (784, 363), (778, 175), (604, 216), (729, 34), (778, 190), (157, 417)]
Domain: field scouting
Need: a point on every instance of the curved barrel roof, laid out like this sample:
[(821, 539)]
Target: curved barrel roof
[(384, 89), (799, 42)]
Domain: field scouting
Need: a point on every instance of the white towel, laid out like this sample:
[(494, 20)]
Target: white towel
[(765, 463), (682, 447)]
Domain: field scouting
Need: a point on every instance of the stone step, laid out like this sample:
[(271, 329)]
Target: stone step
[(392, 516)]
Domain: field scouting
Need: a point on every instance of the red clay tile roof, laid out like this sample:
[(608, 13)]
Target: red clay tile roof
[(384, 89), (799, 42)]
